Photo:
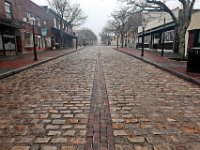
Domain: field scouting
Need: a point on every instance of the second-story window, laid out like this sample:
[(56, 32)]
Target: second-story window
[(8, 9), (45, 23), (55, 23), (38, 21), (28, 15)]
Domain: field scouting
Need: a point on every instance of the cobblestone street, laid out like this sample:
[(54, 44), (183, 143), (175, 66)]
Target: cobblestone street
[(98, 98)]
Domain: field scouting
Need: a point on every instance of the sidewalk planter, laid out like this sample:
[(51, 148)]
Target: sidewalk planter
[(193, 64)]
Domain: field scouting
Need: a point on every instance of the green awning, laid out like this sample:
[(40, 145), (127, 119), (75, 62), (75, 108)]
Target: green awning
[(158, 28)]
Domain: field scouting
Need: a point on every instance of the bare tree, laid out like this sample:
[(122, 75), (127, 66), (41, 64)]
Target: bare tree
[(121, 23), (86, 36), (74, 17), (61, 7), (105, 35), (69, 15), (182, 22)]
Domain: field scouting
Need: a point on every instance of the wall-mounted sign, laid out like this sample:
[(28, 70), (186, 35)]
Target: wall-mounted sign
[(9, 46), (44, 31)]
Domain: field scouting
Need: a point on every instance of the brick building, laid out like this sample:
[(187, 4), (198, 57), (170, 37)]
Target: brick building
[(16, 34), (9, 28)]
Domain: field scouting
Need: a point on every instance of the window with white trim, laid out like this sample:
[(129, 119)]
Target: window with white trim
[(8, 9), (55, 23), (140, 40), (28, 39), (169, 36), (147, 39), (38, 21)]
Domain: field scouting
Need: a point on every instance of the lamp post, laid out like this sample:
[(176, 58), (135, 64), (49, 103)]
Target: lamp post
[(76, 41), (117, 42), (32, 22), (143, 27)]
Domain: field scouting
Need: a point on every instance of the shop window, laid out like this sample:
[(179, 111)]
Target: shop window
[(28, 39), (140, 40), (8, 9), (9, 42), (147, 39), (169, 36), (156, 38), (38, 41)]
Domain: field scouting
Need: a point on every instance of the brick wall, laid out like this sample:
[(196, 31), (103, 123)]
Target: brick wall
[(14, 9), (24, 6)]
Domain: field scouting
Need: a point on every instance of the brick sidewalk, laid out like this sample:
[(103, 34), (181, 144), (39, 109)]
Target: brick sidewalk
[(15, 64), (175, 67)]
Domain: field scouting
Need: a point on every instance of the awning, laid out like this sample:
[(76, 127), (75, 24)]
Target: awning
[(65, 33), (10, 23), (158, 29)]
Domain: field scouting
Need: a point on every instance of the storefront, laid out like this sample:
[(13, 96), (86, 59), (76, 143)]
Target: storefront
[(67, 39), (42, 42), (9, 33), (153, 38)]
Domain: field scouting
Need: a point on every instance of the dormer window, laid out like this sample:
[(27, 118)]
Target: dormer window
[(8, 9)]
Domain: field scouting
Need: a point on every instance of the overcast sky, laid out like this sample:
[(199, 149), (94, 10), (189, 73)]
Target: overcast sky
[(98, 12)]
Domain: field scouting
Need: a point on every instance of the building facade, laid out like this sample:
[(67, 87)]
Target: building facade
[(9, 28), (16, 30), (154, 29), (160, 31)]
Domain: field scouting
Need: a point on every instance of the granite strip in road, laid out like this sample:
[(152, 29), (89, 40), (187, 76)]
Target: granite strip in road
[(100, 132)]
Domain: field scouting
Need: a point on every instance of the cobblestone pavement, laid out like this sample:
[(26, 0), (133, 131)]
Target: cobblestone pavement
[(47, 107), (150, 108)]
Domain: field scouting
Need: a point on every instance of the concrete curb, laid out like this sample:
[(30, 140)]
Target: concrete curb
[(178, 74), (15, 71)]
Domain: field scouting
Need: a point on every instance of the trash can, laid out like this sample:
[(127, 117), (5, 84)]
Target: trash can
[(193, 63)]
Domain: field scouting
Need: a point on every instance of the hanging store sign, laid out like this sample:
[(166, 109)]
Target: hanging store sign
[(44, 31)]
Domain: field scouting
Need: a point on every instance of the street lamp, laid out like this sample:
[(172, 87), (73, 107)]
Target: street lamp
[(32, 21), (143, 27), (76, 41)]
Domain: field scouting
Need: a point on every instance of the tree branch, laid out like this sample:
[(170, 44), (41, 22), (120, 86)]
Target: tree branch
[(191, 9), (165, 8)]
